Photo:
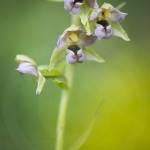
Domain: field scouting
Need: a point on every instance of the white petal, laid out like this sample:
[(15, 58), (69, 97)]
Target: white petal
[(75, 9), (71, 58), (108, 32), (62, 41), (100, 32), (95, 14), (86, 40), (81, 56), (68, 4), (92, 3), (117, 15)]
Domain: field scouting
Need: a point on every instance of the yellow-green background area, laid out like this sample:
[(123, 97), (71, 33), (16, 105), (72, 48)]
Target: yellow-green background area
[(28, 121)]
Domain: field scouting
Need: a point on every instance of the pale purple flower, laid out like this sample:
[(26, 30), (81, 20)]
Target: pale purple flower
[(26, 65), (27, 68), (74, 5)]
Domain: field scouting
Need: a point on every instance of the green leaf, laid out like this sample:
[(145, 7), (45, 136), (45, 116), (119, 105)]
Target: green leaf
[(53, 73), (41, 81), (49, 74), (85, 135), (119, 31), (121, 5), (55, 58), (20, 58), (55, 0), (92, 55), (61, 84), (84, 13)]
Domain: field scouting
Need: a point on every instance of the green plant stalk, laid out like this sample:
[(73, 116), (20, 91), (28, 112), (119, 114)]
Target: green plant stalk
[(69, 71)]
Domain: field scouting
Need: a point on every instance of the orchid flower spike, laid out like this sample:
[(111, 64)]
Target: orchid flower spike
[(74, 5), (26, 65), (107, 20)]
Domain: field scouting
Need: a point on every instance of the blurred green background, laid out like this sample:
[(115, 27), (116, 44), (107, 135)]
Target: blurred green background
[(28, 121)]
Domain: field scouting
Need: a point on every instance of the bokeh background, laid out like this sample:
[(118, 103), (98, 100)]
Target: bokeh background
[(28, 121)]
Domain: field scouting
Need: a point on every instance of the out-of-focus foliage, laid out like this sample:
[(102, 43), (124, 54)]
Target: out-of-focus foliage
[(122, 82)]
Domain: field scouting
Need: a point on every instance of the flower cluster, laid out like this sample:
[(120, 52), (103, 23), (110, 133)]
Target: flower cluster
[(99, 22)]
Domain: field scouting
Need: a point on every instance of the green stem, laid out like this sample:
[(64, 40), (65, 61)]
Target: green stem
[(64, 99)]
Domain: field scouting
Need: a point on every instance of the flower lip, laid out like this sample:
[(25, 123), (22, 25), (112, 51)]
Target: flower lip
[(74, 48), (104, 23), (78, 1)]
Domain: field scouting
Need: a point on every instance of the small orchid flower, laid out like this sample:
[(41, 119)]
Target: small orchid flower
[(73, 39), (74, 5), (107, 20), (27, 66), (74, 35)]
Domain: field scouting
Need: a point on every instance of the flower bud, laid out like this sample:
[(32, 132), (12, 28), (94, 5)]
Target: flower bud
[(27, 68)]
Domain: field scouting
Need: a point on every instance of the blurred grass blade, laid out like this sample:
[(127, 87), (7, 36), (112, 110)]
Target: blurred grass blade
[(121, 5), (61, 84), (85, 135)]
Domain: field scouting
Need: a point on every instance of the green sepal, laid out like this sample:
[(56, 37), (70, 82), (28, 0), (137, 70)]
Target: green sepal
[(119, 31), (61, 84), (56, 57), (55, 72), (20, 58), (90, 26), (92, 55), (41, 81), (85, 135), (106, 6), (85, 9)]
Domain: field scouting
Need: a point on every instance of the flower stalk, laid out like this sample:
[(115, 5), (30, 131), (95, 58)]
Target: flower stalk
[(69, 71)]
